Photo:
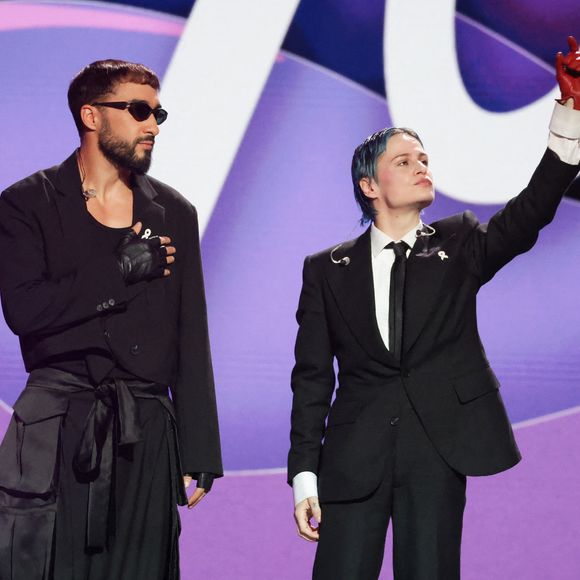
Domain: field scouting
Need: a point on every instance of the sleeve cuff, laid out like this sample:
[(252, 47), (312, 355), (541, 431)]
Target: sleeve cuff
[(564, 138), (304, 484), (565, 122), (205, 480), (104, 282)]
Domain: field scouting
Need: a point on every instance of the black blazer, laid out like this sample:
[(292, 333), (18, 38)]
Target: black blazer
[(59, 301), (443, 369)]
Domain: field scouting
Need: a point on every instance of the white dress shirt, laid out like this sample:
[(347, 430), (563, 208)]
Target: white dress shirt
[(564, 140), (382, 260)]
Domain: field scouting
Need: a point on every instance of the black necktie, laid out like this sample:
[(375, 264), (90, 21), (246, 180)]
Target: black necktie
[(396, 295)]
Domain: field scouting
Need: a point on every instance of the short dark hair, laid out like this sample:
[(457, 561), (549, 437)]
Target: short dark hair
[(101, 78), (364, 164)]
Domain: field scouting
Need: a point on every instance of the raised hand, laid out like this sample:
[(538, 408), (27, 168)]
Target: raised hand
[(568, 73)]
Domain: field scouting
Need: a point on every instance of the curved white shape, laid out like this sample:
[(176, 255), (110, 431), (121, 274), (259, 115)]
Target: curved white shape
[(211, 88), (477, 156)]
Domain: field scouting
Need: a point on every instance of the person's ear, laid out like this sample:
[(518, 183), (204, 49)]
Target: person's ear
[(368, 187), (89, 117)]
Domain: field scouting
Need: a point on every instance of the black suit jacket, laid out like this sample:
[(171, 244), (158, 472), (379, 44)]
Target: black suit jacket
[(443, 370), (60, 301)]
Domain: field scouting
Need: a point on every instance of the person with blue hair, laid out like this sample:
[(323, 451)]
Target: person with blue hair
[(417, 408)]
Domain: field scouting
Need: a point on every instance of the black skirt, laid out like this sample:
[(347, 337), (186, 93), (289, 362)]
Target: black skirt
[(111, 514)]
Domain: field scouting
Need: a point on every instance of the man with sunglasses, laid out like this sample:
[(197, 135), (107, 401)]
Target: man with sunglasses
[(101, 279)]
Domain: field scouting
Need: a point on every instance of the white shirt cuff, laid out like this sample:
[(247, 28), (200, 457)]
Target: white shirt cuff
[(564, 139), (565, 122), (304, 484)]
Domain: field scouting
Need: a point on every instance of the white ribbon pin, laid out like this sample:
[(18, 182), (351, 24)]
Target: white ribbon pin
[(443, 255), (146, 234)]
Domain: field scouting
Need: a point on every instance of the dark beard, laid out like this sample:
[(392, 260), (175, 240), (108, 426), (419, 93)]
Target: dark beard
[(123, 154)]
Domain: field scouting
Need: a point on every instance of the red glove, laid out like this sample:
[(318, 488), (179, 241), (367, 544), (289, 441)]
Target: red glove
[(568, 73)]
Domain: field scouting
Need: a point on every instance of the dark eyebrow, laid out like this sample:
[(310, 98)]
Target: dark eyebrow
[(422, 154)]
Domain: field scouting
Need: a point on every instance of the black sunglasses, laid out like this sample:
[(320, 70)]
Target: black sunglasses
[(140, 110)]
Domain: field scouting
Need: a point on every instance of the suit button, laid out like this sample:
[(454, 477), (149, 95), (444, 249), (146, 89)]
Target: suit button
[(107, 334), (406, 374), (111, 302), (105, 305), (135, 349), (99, 307), (394, 421)]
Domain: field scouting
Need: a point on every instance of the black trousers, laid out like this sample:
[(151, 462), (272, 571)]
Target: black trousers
[(50, 506), (422, 496), (141, 515)]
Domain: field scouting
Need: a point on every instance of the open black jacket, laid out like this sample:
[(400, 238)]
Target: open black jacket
[(60, 302), (444, 369)]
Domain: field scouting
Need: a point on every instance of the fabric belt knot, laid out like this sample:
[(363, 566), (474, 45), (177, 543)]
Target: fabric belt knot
[(112, 421)]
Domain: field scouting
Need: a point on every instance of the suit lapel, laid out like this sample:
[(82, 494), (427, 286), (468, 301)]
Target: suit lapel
[(147, 210), (353, 289), (72, 210), (428, 263), (152, 216)]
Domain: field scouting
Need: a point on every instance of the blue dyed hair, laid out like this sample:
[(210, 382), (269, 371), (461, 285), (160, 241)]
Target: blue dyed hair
[(364, 164)]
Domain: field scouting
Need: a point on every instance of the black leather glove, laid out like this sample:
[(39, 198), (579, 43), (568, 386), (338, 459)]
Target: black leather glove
[(140, 259), (204, 480)]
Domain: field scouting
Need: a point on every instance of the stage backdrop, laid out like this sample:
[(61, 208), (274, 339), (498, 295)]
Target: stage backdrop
[(267, 101)]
